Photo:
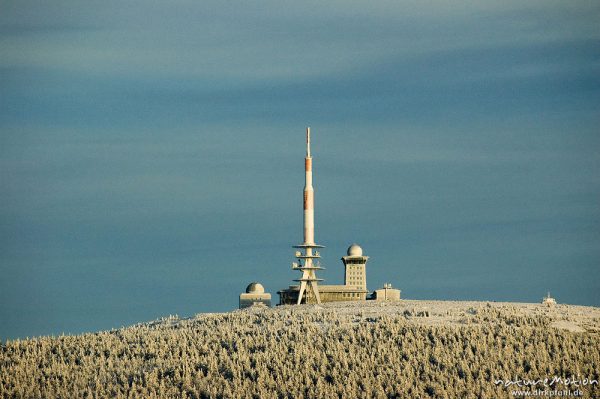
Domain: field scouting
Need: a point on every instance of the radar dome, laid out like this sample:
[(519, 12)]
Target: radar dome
[(255, 288), (355, 250)]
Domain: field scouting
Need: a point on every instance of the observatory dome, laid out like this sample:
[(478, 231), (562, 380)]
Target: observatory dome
[(355, 250), (255, 288)]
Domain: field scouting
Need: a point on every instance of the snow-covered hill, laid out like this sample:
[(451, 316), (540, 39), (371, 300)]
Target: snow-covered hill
[(371, 349)]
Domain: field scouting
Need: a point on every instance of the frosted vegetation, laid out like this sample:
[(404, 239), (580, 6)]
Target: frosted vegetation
[(344, 350)]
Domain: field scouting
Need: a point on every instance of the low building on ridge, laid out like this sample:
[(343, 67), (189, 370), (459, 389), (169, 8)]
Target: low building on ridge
[(387, 293), (255, 295)]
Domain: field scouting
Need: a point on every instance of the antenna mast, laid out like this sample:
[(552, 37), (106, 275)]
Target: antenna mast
[(309, 290)]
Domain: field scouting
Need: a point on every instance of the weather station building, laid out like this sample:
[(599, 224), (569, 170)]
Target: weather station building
[(255, 295)]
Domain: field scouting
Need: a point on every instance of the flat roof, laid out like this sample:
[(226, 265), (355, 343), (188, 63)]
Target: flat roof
[(329, 288)]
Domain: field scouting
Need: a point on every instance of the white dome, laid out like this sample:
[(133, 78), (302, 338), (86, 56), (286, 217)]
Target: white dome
[(255, 288), (355, 250)]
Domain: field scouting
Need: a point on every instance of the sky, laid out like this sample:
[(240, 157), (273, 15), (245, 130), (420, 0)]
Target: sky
[(151, 153)]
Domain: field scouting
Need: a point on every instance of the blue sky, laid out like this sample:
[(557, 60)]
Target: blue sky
[(151, 152)]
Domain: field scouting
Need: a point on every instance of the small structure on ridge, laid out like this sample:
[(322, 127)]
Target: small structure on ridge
[(387, 293), (548, 300), (255, 295)]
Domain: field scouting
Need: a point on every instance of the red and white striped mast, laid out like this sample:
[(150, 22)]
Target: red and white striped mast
[(306, 264)]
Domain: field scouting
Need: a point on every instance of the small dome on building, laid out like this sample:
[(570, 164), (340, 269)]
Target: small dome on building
[(255, 288), (355, 250)]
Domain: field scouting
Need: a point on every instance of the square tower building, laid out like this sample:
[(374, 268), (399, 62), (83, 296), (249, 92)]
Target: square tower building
[(355, 270)]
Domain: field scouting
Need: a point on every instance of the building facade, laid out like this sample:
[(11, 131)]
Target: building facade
[(255, 295), (387, 293)]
